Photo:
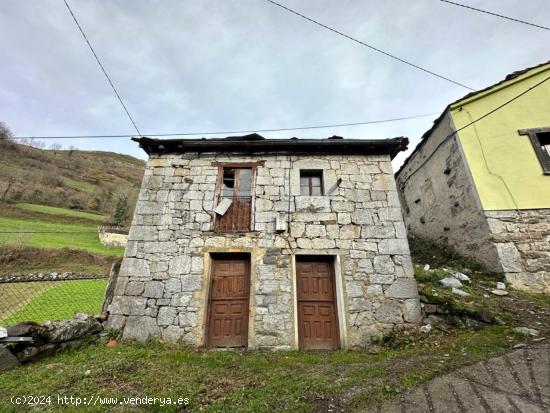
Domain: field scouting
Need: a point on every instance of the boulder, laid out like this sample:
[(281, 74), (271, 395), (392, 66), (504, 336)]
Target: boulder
[(450, 282), (526, 331), (459, 292), (67, 330), (7, 360), (28, 354)]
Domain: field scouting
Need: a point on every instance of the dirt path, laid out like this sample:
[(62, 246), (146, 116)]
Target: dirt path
[(517, 382)]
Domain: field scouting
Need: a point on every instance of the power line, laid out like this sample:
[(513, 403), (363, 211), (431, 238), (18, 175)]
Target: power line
[(368, 45), (229, 132), (450, 135), (102, 68), (496, 14)]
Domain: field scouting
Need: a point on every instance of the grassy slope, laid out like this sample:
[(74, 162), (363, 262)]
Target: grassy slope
[(248, 381), (93, 180), (54, 301), (53, 235), (44, 209)]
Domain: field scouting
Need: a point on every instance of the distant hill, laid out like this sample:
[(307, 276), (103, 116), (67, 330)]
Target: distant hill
[(79, 180)]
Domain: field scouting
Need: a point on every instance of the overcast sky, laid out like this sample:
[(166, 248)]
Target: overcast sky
[(198, 65)]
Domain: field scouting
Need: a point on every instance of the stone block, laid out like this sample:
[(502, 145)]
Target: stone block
[(166, 316), (191, 282), (394, 246), (402, 288), (383, 264), (154, 289), (141, 328), (313, 231), (411, 311), (350, 231), (389, 312), (133, 267), (134, 288), (180, 264), (127, 305), (172, 334), (510, 258)]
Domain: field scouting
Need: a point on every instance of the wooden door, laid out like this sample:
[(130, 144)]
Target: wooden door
[(228, 304), (317, 312)]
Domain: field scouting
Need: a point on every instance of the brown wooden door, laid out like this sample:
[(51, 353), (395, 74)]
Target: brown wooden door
[(228, 304), (317, 313)]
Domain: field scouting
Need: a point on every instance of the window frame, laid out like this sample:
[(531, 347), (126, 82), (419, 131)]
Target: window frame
[(253, 166), (543, 157), (312, 173)]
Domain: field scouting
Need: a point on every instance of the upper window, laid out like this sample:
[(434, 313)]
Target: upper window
[(311, 182), (235, 207), (540, 139)]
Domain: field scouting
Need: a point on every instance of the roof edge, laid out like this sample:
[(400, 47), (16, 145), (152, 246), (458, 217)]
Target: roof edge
[(303, 146)]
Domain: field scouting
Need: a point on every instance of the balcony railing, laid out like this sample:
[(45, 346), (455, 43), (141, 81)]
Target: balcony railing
[(237, 218)]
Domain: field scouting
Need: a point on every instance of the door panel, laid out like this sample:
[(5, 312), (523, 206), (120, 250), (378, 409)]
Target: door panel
[(228, 306), (317, 313)]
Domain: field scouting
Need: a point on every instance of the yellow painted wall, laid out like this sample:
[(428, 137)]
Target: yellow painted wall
[(507, 154)]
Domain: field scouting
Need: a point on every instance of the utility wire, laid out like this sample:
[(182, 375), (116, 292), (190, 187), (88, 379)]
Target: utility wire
[(496, 14), (338, 125), (449, 136), (368, 45), (404, 182), (102, 68)]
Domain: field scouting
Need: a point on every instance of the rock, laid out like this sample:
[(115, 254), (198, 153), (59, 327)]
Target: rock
[(3, 332), (425, 329), (427, 267), (499, 292), (520, 345), (29, 330), (501, 286), (67, 330), (462, 277), (459, 292), (7, 360), (450, 282), (526, 331), (141, 328), (402, 288), (36, 353)]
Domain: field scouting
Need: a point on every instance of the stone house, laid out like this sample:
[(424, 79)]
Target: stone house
[(266, 243), (484, 187)]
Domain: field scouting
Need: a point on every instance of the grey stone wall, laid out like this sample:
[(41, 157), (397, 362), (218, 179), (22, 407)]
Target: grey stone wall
[(522, 239), (162, 290), (440, 201)]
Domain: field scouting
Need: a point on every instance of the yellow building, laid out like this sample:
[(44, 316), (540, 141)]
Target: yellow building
[(479, 180)]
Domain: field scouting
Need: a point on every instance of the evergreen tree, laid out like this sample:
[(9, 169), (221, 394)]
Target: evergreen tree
[(122, 210)]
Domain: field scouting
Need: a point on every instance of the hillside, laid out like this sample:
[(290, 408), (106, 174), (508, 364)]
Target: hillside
[(74, 179)]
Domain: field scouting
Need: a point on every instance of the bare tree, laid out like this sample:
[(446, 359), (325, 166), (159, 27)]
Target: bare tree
[(55, 147)]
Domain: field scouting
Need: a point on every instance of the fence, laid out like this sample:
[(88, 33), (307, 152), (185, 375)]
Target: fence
[(51, 299)]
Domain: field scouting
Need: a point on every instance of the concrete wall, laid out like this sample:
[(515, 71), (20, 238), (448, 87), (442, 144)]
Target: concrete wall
[(440, 202), (162, 290), (522, 239), (504, 165)]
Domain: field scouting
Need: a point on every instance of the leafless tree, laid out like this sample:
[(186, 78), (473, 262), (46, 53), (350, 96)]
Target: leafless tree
[(55, 147)]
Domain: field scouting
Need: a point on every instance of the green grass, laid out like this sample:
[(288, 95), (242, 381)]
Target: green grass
[(77, 236), (541, 299), (78, 185), (256, 381), (44, 209), (57, 300)]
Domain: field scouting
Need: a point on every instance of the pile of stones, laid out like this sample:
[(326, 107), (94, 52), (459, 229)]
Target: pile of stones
[(27, 342)]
